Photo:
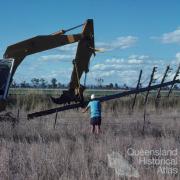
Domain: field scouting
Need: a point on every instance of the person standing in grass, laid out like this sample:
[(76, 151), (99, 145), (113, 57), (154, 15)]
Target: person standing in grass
[(95, 109)]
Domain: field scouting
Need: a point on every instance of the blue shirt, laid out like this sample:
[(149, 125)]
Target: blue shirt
[(95, 107)]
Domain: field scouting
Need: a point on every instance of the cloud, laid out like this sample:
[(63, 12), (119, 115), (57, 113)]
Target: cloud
[(99, 67), (56, 57), (57, 74), (176, 60), (135, 61), (178, 57), (115, 60), (123, 42), (68, 51), (109, 73), (126, 70), (119, 64), (170, 37), (121, 70), (106, 67), (69, 48), (115, 70), (65, 52), (142, 57)]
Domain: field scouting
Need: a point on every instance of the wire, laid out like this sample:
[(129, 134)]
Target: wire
[(75, 27), (145, 80)]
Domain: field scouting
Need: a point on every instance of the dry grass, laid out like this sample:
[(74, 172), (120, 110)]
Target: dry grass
[(34, 150)]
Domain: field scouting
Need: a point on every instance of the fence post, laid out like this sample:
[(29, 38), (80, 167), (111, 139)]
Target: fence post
[(137, 87), (175, 76), (18, 114), (146, 98), (55, 120), (159, 91)]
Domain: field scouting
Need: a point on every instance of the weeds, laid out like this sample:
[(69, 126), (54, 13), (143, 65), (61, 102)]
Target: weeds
[(35, 150)]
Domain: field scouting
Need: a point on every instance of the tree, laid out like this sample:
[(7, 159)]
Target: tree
[(176, 87), (99, 82), (35, 82), (116, 86), (43, 83), (59, 85), (14, 84), (111, 85), (125, 86), (24, 84), (54, 82)]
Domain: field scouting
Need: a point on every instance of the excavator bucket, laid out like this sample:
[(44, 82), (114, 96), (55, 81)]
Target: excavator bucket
[(69, 96), (66, 98)]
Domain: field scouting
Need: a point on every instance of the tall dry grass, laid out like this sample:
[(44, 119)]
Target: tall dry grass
[(35, 150), (32, 101)]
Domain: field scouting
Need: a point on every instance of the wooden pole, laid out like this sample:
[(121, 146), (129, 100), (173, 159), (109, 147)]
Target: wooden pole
[(101, 99), (175, 76), (55, 119), (137, 87), (146, 98), (149, 85), (159, 91)]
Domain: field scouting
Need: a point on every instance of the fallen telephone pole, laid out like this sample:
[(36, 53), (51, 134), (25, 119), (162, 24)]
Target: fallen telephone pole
[(102, 99)]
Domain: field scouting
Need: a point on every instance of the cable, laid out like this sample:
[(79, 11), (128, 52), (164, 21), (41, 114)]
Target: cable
[(75, 27)]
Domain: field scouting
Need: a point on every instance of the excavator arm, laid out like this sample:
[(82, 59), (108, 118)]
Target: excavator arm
[(84, 52), (37, 44)]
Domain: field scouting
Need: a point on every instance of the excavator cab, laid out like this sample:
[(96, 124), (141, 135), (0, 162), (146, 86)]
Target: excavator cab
[(6, 66)]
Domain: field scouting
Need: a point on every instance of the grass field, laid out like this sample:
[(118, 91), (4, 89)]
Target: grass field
[(35, 150), (24, 91)]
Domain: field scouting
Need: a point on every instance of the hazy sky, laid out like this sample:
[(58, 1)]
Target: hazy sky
[(135, 34)]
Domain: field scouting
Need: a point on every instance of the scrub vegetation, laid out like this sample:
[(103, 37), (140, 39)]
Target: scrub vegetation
[(34, 150)]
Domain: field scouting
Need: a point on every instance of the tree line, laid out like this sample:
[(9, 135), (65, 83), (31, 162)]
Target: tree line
[(53, 83), (38, 83)]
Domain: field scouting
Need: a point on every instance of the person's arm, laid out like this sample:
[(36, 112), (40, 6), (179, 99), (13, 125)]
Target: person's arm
[(85, 109)]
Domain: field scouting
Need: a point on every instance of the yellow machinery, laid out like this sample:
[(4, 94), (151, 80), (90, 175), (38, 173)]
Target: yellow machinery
[(17, 52)]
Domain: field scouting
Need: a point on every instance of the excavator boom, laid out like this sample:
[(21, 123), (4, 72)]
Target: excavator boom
[(38, 44)]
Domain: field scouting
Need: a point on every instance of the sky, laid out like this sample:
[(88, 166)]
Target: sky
[(133, 34)]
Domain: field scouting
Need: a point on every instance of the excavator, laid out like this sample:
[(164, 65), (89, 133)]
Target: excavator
[(16, 53)]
